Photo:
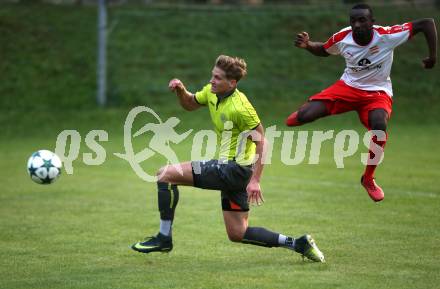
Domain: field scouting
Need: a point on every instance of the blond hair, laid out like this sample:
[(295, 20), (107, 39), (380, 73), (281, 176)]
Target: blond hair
[(234, 67)]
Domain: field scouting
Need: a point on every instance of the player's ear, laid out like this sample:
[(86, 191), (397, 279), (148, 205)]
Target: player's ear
[(232, 83)]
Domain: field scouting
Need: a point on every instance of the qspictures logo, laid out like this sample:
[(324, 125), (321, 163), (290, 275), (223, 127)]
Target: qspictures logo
[(205, 143)]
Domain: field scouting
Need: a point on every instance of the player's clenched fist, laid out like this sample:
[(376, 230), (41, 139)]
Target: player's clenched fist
[(302, 40), (429, 62), (175, 84)]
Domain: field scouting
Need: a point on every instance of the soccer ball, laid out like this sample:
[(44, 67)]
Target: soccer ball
[(44, 167)]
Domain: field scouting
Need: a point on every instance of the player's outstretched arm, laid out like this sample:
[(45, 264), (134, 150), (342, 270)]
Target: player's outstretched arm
[(186, 98), (253, 189), (316, 48), (427, 27)]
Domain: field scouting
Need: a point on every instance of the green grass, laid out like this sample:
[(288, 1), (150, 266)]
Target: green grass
[(76, 233), (49, 55)]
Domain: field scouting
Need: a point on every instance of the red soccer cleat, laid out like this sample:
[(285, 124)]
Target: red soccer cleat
[(374, 191)]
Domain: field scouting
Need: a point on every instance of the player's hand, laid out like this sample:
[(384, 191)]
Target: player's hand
[(429, 62), (255, 196), (175, 84), (302, 40)]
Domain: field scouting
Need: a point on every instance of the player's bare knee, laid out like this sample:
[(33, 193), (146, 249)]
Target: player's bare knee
[(378, 119), (379, 125), (302, 116), (307, 115), (162, 175), (382, 127)]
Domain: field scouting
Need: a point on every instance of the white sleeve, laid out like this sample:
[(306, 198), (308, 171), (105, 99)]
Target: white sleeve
[(397, 34), (333, 45), (334, 49)]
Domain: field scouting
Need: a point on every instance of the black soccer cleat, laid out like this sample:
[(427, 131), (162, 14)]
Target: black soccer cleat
[(158, 243), (305, 245)]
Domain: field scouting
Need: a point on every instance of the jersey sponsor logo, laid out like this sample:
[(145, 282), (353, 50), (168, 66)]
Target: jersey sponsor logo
[(364, 62), (363, 68)]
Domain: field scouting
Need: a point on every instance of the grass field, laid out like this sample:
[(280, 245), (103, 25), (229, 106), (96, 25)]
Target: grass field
[(76, 233)]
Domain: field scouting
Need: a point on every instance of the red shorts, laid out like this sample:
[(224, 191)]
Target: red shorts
[(341, 97)]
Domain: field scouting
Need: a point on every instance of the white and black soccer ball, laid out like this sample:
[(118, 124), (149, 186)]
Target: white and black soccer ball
[(44, 167)]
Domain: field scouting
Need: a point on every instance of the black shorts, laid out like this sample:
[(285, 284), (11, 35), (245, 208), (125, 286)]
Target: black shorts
[(228, 177)]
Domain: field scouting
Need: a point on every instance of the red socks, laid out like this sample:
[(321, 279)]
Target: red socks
[(369, 170)]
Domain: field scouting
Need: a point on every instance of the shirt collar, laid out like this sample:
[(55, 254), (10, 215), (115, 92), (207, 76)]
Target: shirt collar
[(220, 97)]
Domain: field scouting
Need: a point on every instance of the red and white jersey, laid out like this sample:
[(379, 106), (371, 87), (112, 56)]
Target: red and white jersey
[(368, 67)]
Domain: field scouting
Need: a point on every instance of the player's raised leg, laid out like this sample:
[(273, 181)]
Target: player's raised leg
[(308, 112), (168, 196), (237, 228), (377, 122)]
